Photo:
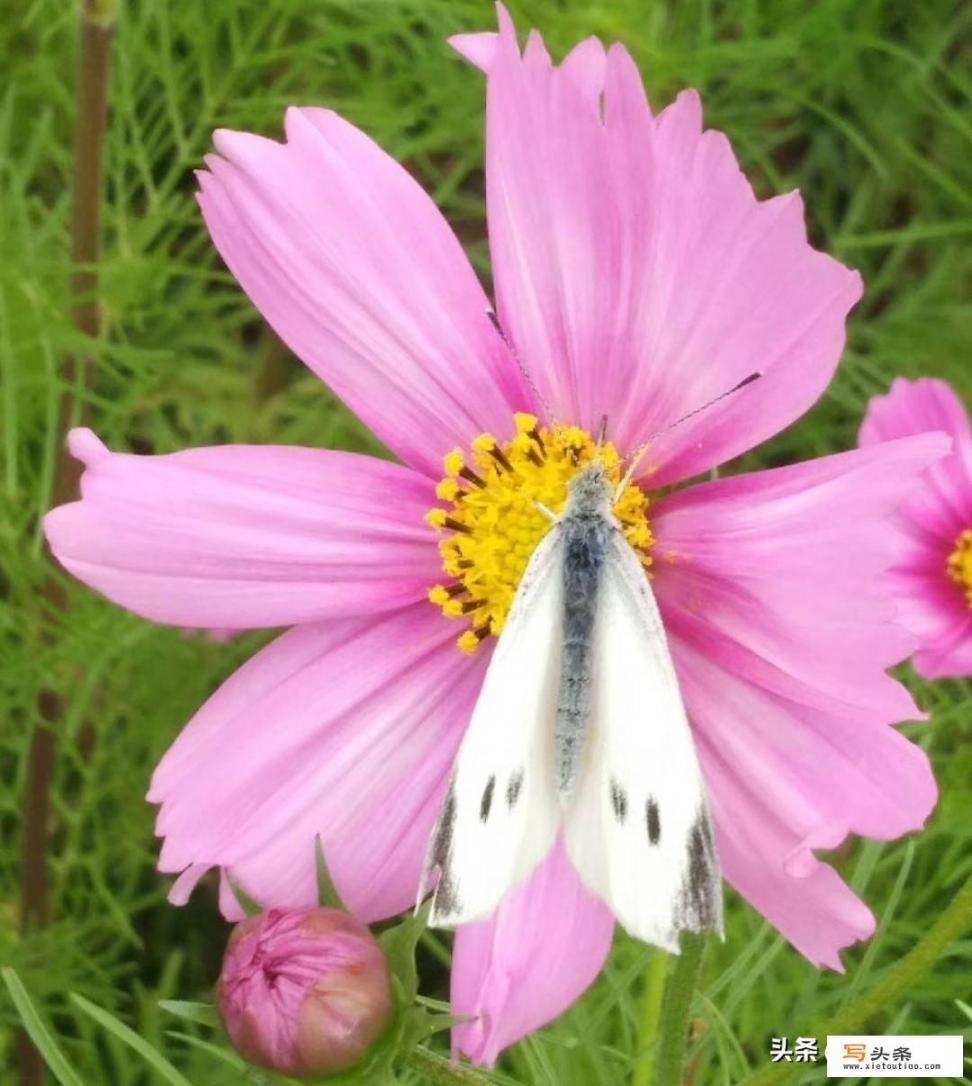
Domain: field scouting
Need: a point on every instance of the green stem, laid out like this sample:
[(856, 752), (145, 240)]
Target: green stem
[(650, 1017), (90, 125), (274, 369), (898, 979), (683, 979), (440, 1071)]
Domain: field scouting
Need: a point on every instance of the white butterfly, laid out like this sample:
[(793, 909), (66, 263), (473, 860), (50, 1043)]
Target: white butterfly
[(580, 729)]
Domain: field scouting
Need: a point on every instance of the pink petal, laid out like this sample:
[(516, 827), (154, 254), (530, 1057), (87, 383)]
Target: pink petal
[(478, 49), (636, 272), (519, 970), (347, 730), (359, 274), (916, 407), (942, 507), (949, 656), (242, 536), (770, 589), (930, 521)]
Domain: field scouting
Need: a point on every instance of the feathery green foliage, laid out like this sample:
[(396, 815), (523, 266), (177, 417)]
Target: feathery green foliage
[(863, 104)]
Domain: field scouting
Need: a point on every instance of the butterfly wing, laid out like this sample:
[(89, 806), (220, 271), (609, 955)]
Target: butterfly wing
[(638, 828), (500, 814)]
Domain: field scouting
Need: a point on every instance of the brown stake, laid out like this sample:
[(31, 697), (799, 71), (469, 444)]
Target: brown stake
[(96, 26)]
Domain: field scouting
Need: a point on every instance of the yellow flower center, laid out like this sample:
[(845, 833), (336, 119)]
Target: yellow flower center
[(959, 563), (493, 515)]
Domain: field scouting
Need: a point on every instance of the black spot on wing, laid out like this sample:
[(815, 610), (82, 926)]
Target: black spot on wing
[(698, 860), (513, 789), (652, 821), (442, 843), (487, 801), (699, 904), (619, 801), (446, 899)]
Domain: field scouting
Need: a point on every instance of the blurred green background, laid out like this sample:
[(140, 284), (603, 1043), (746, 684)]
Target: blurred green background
[(862, 104)]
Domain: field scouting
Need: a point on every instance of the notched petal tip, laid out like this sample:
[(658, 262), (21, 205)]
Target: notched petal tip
[(618, 53), (685, 111), (205, 181), (478, 49), (85, 445), (505, 21), (623, 83), (302, 122), (801, 862), (246, 151), (223, 137), (855, 285), (181, 890), (923, 405)]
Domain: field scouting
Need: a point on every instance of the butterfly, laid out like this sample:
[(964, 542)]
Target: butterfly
[(580, 730)]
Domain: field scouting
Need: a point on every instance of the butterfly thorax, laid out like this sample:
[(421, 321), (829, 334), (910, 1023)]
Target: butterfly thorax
[(590, 494)]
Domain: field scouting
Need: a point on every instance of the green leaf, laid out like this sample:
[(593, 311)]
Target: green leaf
[(399, 945), (129, 1037), (433, 1004), (37, 1030), (438, 1070), (421, 1025), (203, 1013), (243, 899), (327, 894), (218, 1052)]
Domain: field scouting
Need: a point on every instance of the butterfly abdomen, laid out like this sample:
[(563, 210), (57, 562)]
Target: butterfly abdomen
[(586, 535)]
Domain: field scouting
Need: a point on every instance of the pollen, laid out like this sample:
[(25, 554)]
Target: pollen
[(959, 565), (492, 516)]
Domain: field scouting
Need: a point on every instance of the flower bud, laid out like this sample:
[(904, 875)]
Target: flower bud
[(304, 991)]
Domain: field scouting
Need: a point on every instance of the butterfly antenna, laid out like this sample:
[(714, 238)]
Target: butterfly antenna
[(646, 444), (524, 372), (601, 435)]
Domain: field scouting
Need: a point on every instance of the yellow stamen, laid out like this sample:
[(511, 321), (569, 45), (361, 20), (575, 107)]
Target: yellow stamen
[(452, 462), (959, 565), (448, 490), (496, 524)]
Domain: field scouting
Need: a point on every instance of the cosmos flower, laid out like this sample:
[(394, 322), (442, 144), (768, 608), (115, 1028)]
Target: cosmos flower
[(304, 991), (636, 277), (932, 574)]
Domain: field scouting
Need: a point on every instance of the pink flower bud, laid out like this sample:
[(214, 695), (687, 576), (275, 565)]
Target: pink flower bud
[(304, 991)]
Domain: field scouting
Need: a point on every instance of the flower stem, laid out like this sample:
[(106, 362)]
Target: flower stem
[(91, 100), (897, 980), (650, 1017), (683, 979), (273, 370), (440, 1071)]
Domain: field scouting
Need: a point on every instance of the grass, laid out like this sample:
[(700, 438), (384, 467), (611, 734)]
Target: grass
[(863, 104)]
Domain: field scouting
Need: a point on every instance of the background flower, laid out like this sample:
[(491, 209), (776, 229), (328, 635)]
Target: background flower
[(932, 574)]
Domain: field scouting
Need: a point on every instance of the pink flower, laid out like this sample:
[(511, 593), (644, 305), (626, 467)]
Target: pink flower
[(637, 277), (305, 991), (932, 574)]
